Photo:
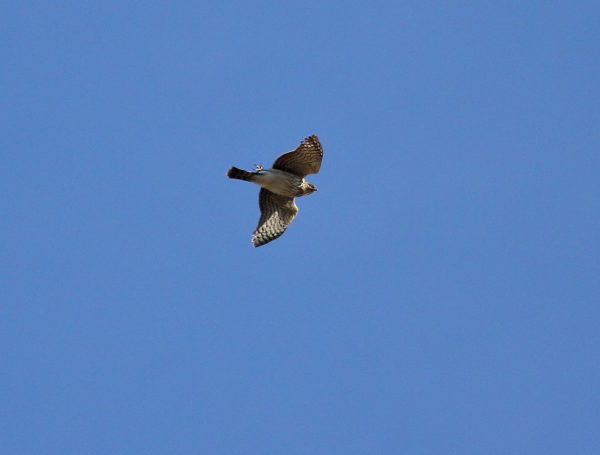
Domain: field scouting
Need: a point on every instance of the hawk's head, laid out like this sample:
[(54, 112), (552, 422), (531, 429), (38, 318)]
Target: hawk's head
[(308, 188)]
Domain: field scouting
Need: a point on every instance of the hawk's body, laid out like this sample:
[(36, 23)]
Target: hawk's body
[(274, 180), (280, 185)]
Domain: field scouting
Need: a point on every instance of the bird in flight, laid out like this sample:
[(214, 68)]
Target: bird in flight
[(280, 185)]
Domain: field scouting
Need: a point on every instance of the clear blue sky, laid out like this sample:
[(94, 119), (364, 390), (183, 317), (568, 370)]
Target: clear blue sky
[(439, 294)]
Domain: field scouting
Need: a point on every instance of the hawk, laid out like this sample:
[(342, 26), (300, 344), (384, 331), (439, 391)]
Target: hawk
[(280, 185)]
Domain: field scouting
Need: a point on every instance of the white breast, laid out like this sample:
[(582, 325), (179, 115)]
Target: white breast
[(279, 182)]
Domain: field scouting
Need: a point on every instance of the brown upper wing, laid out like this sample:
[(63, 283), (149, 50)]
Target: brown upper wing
[(306, 159), (276, 213)]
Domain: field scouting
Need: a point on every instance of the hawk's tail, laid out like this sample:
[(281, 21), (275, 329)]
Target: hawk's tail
[(240, 174)]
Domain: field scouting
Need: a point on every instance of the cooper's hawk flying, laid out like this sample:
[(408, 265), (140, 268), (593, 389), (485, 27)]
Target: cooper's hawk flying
[(280, 185)]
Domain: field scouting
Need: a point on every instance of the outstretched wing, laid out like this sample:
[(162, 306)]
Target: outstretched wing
[(276, 214), (306, 159)]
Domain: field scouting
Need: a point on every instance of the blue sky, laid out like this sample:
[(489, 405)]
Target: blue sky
[(439, 293)]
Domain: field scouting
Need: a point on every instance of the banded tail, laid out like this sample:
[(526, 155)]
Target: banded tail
[(240, 174)]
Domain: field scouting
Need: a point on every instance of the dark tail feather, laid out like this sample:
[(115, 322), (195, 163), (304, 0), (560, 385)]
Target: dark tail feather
[(240, 174)]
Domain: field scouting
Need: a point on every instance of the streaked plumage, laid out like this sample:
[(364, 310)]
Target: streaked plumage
[(280, 185)]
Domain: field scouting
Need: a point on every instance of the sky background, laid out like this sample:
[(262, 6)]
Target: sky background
[(439, 294)]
